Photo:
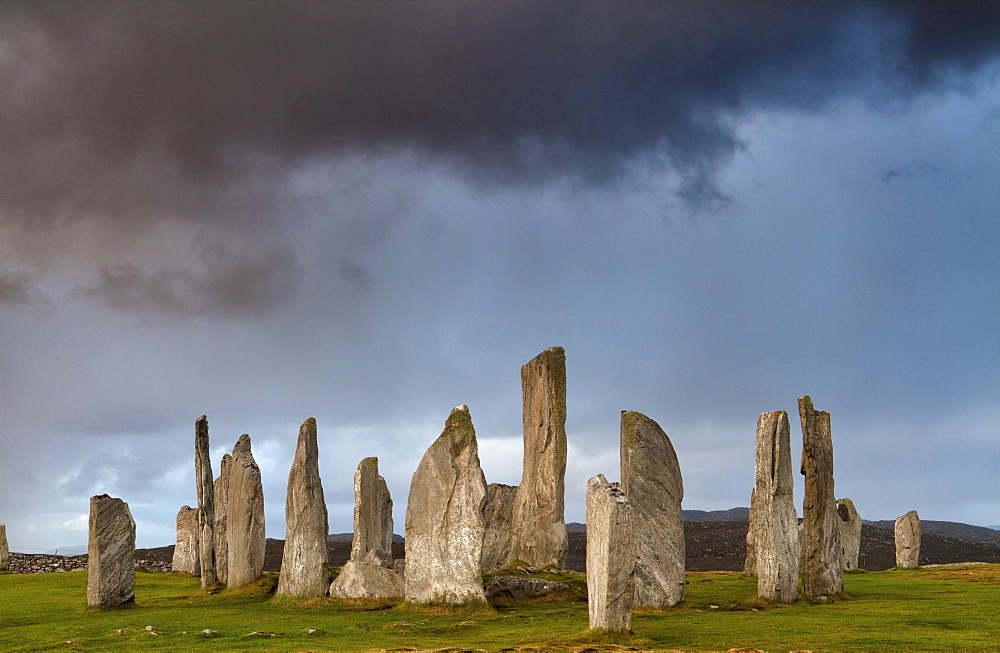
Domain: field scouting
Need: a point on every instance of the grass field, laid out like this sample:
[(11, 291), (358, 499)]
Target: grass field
[(949, 608)]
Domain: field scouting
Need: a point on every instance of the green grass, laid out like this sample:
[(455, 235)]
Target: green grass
[(943, 609)]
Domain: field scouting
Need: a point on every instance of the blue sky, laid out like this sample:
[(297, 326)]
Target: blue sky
[(371, 213)]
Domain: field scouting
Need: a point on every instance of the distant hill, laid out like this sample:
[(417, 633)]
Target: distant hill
[(733, 514), (947, 529)]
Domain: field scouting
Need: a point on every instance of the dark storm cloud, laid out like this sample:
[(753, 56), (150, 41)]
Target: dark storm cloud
[(20, 289)]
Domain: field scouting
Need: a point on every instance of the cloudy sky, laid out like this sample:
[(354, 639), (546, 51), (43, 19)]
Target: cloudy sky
[(369, 213)]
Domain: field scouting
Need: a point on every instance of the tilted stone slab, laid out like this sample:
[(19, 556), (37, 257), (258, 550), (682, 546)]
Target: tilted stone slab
[(244, 517), (304, 563), (186, 550), (850, 534), (110, 553), (822, 573), (498, 517), (444, 522), (206, 502), (907, 532), (651, 479), (359, 580), (221, 506), (611, 553)]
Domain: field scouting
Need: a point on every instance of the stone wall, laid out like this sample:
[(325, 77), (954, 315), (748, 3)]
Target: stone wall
[(36, 563)]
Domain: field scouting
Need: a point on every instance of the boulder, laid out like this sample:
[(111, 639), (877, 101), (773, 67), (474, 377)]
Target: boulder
[(611, 554), (907, 531), (4, 550), (773, 534), (444, 521), (360, 580), (186, 550), (822, 572), (110, 553), (498, 515), (651, 479), (244, 517), (518, 587), (539, 528), (221, 537), (206, 502), (850, 534), (304, 565)]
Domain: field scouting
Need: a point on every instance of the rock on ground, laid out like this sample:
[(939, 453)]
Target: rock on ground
[(110, 553), (185, 557), (518, 587), (244, 517), (651, 479), (822, 573), (611, 554), (360, 580), (907, 533), (444, 522), (206, 502), (850, 534)]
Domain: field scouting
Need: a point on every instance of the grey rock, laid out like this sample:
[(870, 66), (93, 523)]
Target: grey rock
[(822, 573), (186, 550), (539, 536), (221, 536), (244, 517), (907, 531), (444, 522), (611, 554), (360, 580), (206, 502), (651, 479), (304, 564), (518, 587), (4, 550), (110, 553), (850, 534), (773, 534), (498, 517), (372, 515)]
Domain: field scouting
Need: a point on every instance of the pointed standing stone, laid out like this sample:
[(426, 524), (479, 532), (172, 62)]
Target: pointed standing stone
[(821, 557), (110, 553), (4, 551), (206, 502), (186, 550), (907, 533), (498, 518), (539, 537), (611, 553), (651, 479), (304, 564), (444, 522), (244, 517), (774, 532), (221, 505), (850, 534)]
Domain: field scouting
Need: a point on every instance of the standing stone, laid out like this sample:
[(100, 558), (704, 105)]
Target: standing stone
[(850, 534), (221, 505), (110, 553), (186, 550), (444, 522), (4, 551), (304, 564), (539, 536), (821, 557), (498, 519), (908, 540), (773, 535), (651, 479), (611, 555), (750, 562), (244, 517), (206, 502)]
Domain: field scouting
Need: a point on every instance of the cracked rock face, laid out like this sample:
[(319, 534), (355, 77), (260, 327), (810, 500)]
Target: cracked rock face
[(822, 572), (206, 502), (444, 522), (186, 550), (110, 553), (611, 556), (907, 531), (850, 533), (651, 479), (498, 518), (244, 517), (221, 506), (304, 565)]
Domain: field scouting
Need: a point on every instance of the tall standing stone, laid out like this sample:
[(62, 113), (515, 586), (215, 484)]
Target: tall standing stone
[(110, 553), (221, 506), (907, 533), (498, 519), (651, 479), (539, 536), (444, 523), (4, 551), (206, 502), (244, 517), (850, 534), (773, 535), (186, 550), (611, 556), (304, 562), (821, 557)]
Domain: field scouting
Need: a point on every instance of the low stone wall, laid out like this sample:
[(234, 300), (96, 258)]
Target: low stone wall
[(31, 563)]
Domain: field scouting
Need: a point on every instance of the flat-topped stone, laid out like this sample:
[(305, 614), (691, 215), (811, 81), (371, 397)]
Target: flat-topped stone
[(822, 572), (185, 557), (110, 553), (611, 555)]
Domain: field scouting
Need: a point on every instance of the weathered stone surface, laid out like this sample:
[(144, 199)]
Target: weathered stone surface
[(651, 479), (539, 536), (518, 587), (444, 521), (186, 550), (304, 565), (221, 535), (773, 534), (907, 532), (611, 553), (244, 517), (359, 580), (372, 514), (750, 562), (110, 553), (821, 558), (850, 534), (4, 550), (206, 502), (498, 516)]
